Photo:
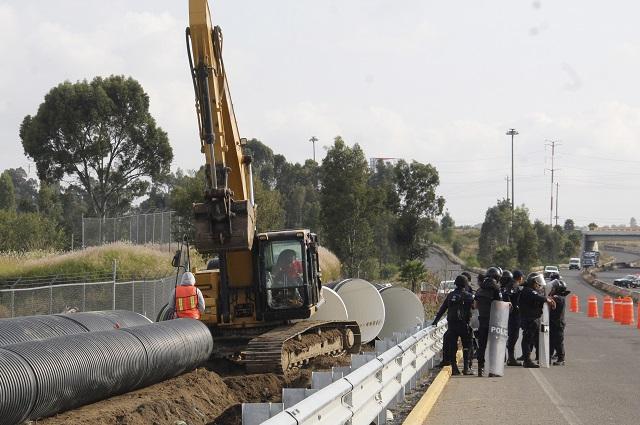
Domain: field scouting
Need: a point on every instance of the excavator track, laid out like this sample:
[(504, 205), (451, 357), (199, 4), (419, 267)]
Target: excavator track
[(291, 346)]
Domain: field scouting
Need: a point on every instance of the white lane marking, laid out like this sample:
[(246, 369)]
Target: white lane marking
[(555, 398)]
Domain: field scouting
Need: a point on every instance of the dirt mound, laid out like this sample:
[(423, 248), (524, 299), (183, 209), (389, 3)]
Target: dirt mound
[(197, 397)]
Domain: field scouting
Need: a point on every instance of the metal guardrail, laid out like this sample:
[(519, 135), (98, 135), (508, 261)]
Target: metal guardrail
[(359, 394)]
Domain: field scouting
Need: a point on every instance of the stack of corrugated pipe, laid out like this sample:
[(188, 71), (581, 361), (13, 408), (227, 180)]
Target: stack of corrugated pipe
[(49, 364)]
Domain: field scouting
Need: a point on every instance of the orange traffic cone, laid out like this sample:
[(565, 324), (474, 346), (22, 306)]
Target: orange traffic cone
[(631, 318), (627, 311), (592, 310), (617, 310), (607, 307), (638, 316), (574, 305)]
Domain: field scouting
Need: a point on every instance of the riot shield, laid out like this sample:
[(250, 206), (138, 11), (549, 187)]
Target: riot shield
[(543, 341), (498, 334), (474, 322)]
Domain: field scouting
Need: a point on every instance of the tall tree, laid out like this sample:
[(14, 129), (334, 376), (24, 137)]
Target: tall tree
[(26, 190), (7, 193), (447, 226), (569, 225), (101, 134), (344, 201), (419, 206), (412, 272), (494, 231)]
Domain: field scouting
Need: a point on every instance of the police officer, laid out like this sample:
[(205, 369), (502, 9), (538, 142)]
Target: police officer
[(556, 320), (458, 305), (531, 303), (472, 337), (511, 293), (488, 292)]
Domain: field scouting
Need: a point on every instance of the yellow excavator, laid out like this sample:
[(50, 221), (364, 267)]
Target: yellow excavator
[(265, 283)]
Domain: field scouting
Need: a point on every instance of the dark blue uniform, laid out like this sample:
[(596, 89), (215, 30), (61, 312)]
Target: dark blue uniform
[(511, 294), (556, 327), (531, 303), (458, 305), (489, 291)]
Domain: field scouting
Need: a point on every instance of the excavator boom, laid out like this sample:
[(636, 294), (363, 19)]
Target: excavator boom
[(225, 220)]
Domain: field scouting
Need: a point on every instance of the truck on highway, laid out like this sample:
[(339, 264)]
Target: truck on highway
[(590, 259)]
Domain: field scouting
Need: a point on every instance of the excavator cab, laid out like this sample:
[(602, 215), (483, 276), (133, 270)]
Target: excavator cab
[(288, 274)]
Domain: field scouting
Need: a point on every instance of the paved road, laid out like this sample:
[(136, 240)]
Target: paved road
[(599, 385)]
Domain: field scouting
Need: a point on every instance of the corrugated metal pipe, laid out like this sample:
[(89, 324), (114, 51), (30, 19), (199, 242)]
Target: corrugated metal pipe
[(42, 378), (35, 328)]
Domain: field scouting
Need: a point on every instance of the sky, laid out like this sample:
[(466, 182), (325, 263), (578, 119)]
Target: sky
[(431, 81)]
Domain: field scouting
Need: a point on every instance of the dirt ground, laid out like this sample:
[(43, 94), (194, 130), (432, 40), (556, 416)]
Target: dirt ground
[(212, 395)]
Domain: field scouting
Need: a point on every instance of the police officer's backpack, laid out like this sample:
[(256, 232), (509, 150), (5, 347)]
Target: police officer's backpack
[(456, 308)]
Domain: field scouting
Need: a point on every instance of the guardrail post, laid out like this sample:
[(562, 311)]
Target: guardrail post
[(84, 297)]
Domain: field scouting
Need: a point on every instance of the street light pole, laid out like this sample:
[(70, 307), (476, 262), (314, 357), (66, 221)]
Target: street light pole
[(512, 132), (314, 140)]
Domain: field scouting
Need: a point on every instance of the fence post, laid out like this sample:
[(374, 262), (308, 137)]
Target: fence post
[(84, 297), (83, 245), (133, 295), (153, 232), (115, 270), (13, 302)]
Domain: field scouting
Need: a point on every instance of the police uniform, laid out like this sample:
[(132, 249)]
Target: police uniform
[(458, 305), (556, 328), (511, 294), (488, 292), (531, 303)]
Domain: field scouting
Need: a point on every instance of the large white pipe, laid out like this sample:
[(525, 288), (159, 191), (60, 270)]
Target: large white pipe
[(333, 307), (403, 310), (364, 305)]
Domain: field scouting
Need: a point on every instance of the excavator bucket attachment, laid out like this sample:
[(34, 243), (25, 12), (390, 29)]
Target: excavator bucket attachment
[(224, 225)]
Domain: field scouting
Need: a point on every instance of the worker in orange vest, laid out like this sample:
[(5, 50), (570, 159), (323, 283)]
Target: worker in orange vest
[(187, 300)]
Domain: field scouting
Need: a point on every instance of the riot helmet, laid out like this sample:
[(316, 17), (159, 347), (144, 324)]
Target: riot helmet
[(535, 280), (506, 279), (493, 273)]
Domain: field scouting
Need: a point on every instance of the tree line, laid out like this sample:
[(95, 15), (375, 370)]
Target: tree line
[(99, 152), (521, 243)]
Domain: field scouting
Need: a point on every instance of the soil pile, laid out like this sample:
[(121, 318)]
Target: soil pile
[(198, 397)]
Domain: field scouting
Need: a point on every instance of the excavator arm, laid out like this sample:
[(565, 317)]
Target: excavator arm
[(225, 220)]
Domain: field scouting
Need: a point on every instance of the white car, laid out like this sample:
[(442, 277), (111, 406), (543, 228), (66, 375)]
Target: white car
[(551, 272), (446, 286)]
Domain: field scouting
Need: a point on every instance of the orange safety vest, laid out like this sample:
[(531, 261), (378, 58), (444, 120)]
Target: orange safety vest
[(187, 302)]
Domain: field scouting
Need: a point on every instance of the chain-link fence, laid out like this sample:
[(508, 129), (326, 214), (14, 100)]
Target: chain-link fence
[(147, 228), (146, 297)]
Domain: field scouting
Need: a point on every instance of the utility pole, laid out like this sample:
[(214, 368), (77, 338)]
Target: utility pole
[(512, 132), (314, 140), (557, 203), (553, 144), (508, 180)]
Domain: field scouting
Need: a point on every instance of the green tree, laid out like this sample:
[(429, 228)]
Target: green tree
[(269, 208), (447, 226), (494, 232), (592, 226), (419, 206), (49, 202), (29, 231), (569, 225), (505, 257), (187, 189), (7, 193), (26, 190), (101, 134), (412, 272), (345, 207), (456, 246)]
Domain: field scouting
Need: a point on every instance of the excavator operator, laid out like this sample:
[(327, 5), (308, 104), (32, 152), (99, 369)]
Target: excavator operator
[(287, 273)]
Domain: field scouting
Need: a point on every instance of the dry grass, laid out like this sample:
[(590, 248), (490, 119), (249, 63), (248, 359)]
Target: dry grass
[(329, 264), (131, 260)]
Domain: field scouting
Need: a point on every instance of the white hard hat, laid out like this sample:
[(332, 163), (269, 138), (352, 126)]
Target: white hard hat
[(188, 279)]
